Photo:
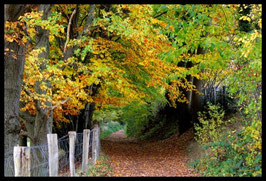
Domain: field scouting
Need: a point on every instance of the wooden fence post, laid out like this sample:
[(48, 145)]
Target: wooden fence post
[(98, 141), (72, 138), (21, 160), (94, 145), (53, 154), (85, 153)]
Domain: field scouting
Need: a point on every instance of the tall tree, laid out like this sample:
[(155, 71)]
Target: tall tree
[(14, 59), (41, 124), (105, 59), (13, 71)]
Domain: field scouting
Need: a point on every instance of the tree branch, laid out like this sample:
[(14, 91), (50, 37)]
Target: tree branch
[(86, 28), (37, 102), (160, 14), (68, 28), (83, 19), (29, 93)]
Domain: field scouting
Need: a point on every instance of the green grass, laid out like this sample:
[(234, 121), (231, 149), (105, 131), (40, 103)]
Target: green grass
[(112, 127)]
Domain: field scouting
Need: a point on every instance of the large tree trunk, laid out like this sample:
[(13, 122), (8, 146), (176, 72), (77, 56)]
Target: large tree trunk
[(84, 120), (196, 104), (43, 121), (13, 73), (89, 108), (88, 115)]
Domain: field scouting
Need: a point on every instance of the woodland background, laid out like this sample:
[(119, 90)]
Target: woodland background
[(155, 69)]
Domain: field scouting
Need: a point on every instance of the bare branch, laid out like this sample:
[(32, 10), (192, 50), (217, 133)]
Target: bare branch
[(70, 52), (160, 14), (29, 93), (68, 28)]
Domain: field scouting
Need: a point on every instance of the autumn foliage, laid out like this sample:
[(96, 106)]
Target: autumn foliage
[(119, 55)]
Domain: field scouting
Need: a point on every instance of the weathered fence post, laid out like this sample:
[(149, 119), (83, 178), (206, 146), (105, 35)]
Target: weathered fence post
[(85, 153), (72, 138), (94, 146), (53, 154), (22, 161), (95, 143)]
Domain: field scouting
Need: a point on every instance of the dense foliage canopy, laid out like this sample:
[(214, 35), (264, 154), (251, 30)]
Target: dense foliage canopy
[(131, 59)]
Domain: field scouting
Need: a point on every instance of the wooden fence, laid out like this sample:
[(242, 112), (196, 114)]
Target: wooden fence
[(22, 154)]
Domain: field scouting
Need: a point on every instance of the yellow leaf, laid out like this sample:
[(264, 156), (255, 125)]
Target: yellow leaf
[(24, 39), (62, 30)]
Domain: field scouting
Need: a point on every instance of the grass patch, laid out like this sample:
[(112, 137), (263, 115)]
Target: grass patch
[(110, 127)]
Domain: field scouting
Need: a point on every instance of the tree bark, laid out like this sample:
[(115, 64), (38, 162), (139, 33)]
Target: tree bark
[(42, 124), (70, 51), (39, 126), (86, 115), (13, 73), (196, 105)]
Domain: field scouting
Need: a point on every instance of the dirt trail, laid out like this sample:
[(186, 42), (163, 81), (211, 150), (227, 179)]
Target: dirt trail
[(161, 158)]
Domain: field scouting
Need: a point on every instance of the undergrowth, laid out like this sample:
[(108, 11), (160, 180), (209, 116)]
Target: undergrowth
[(229, 150)]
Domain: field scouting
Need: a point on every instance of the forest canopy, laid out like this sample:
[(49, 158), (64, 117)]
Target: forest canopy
[(129, 61)]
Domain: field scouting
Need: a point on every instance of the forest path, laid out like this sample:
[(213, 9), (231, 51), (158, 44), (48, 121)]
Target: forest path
[(161, 158)]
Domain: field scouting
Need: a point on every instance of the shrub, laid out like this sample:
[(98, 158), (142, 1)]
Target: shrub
[(229, 151), (210, 124)]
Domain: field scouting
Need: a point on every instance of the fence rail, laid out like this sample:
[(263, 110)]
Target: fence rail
[(55, 156)]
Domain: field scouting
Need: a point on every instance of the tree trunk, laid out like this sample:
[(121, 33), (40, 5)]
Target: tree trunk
[(196, 102), (70, 51), (13, 73), (43, 121), (42, 124), (88, 113)]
